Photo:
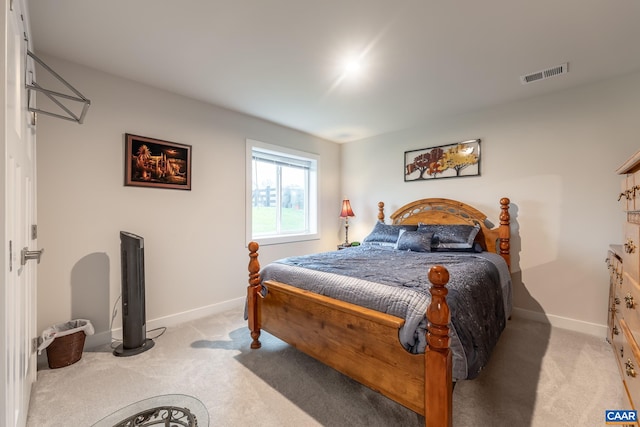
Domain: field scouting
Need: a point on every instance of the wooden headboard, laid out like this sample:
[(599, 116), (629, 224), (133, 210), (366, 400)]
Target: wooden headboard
[(446, 211)]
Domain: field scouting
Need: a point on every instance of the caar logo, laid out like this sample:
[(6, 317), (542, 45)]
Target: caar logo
[(620, 416)]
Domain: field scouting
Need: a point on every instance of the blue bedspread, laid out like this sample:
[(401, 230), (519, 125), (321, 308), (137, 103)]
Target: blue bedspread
[(396, 282)]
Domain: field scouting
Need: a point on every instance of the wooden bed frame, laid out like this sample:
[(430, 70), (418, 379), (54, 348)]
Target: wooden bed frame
[(362, 343)]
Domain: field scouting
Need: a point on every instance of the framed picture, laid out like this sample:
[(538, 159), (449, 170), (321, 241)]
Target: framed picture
[(155, 163), (444, 161)]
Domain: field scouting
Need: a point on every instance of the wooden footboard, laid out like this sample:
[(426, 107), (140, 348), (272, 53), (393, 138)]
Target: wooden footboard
[(361, 343)]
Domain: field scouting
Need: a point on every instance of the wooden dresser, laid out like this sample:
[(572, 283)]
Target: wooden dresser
[(624, 292)]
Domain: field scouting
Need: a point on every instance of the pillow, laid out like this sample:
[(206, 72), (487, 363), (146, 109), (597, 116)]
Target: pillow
[(385, 234), (452, 236), (476, 247), (415, 241)]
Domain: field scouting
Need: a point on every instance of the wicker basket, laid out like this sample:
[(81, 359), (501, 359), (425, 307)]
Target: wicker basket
[(65, 350)]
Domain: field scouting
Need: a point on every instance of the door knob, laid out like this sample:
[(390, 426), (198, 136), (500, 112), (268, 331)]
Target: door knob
[(27, 255)]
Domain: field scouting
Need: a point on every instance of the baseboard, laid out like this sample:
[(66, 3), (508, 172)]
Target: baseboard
[(562, 322), (102, 338)]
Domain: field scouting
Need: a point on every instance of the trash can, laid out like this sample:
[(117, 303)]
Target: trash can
[(64, 342)]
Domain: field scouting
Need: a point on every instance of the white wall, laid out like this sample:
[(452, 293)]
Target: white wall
[(555, 157), (196, 259)]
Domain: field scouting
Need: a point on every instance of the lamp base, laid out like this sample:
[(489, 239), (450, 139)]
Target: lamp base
[(346, 243)]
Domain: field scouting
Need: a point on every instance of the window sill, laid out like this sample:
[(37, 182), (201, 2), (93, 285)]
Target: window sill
[(277, 240)]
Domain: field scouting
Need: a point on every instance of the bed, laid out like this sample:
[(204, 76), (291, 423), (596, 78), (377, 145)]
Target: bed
[(366, 343)]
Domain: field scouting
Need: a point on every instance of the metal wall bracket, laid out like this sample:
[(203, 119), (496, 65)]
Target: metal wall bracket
[(56, 97)]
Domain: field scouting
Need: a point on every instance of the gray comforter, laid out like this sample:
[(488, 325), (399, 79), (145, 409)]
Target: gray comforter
[(396, 282)]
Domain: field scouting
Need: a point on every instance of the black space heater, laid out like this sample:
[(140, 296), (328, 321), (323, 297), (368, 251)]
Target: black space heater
[(134, 328)]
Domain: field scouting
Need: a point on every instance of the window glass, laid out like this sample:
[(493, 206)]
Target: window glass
[(282, 195)]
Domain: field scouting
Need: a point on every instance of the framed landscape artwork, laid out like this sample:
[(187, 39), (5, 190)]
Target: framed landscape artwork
[(444, 161), (155, 163)]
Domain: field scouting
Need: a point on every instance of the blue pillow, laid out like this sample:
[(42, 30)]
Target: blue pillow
[(452, 236), (476, 247), (386, 234), (415, 241)]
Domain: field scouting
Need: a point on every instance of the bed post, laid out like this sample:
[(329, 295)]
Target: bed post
[(252, 294), (381, 212), (438, 385), (504, 231)]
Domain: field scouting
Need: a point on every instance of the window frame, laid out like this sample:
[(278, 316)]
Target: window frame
[(313, 194)]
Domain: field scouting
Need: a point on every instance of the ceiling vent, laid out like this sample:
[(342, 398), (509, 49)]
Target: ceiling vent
[(545, 74)]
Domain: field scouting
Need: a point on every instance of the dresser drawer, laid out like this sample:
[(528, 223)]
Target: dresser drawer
[(629, 307), (627, 201), (614, 264), (616, 337), (629, 366), (631, 248), (634, 190)]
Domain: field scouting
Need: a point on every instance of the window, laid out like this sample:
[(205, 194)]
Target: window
[(282, 188)]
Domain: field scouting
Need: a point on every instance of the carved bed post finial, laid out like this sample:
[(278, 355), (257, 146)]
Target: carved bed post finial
[(381, 211), (438, 362), (252, 294), (505, 230)]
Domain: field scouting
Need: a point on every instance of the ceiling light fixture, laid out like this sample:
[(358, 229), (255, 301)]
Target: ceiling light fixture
[(352, 67)]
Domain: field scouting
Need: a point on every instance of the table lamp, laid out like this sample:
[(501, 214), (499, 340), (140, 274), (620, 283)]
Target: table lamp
[(345, 213)]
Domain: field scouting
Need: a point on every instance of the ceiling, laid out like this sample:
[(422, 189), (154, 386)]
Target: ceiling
[(283, 60)]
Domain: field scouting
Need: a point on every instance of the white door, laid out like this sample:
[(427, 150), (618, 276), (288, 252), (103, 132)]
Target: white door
[(18, 292)]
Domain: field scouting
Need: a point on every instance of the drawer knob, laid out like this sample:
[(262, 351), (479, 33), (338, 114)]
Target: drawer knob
[(630, 369), (629, 247), (615, 330), (617, 300), (630, 303)]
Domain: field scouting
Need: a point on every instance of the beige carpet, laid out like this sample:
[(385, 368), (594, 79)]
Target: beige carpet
[(537, 376)]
